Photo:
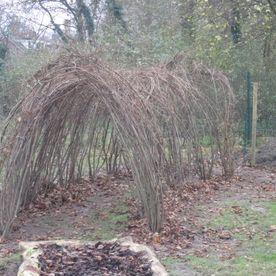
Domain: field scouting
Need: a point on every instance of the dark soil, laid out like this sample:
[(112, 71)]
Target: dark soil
[(101, 259)]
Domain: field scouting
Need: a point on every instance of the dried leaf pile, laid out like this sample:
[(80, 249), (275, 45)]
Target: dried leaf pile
[(101, 259), (78, 192), (175, 234), (58, 195)]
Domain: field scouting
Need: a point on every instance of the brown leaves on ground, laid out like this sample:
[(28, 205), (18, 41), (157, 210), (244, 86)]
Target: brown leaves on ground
[(272, 228), (57, 196), (226, 256), (237, 210), (101, 259), (225, 235), (78, 192), (175, 233)]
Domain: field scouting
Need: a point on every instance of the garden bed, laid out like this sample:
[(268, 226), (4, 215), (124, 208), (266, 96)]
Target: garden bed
[(70, 258), (98, 259)]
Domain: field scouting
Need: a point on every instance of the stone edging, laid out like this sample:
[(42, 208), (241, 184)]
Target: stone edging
[(31, 251)]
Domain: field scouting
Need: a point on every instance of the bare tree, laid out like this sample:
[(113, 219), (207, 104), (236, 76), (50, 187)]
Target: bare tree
[(82, 15)]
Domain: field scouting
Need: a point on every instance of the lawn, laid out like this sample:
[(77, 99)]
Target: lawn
[(251, 228)]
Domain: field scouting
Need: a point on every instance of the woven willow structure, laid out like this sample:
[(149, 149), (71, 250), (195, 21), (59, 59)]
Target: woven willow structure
[(81, 116)]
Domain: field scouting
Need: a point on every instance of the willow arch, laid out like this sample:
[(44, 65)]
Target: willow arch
[(79, 109)]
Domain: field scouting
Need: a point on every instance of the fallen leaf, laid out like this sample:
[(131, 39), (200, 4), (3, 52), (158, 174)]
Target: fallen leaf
[(272, 228), (237, 209), (225, 235), (156, 238)]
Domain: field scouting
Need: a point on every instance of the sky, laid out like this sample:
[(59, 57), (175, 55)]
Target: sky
[(38, 19)]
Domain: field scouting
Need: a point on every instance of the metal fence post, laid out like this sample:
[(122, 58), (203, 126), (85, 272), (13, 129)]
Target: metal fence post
[(254, 124), (247, 116)]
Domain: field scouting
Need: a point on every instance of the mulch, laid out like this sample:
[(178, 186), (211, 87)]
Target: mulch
[(101, 259)]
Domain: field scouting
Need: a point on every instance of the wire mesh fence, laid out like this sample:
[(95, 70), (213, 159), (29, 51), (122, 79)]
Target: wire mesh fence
[(265, 130)]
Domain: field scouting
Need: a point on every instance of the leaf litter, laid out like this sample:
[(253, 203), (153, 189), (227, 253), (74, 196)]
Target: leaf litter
[(101, 259), (184, 230)]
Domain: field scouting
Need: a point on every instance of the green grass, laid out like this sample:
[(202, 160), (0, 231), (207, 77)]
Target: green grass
[(176, 266), (169, 261), (111, 225), (271, 206), (13, 258), (256, 254), (251, 264), (206, 141), (261, 140), (258, 216)]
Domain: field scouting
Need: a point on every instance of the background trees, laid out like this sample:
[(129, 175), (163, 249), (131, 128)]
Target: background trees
[(80, 18), (236, 36)]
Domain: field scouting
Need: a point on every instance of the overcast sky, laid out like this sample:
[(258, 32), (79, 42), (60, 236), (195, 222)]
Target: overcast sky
[(36, 17)]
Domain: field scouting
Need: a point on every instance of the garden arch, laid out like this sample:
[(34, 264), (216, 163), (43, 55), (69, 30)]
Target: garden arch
[(80, 110)]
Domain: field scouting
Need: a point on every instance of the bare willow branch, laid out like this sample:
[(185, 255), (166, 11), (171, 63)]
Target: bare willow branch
[(81, 115)]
